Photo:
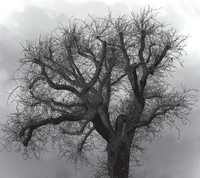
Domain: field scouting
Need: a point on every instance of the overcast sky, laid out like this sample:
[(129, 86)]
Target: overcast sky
[(168, 157)]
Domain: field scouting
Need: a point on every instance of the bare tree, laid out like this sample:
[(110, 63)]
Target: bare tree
[(101, 80)]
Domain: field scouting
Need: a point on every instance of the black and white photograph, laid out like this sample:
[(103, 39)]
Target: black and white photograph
[(99, 89)]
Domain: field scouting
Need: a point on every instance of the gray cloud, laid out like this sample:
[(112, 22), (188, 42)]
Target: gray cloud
[(171, 158)]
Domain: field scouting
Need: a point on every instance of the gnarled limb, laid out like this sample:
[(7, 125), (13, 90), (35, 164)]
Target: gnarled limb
[(101, 128), (31, 126), (132, 75)]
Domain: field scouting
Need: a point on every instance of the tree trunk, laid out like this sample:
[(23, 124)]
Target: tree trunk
[(118, 159)]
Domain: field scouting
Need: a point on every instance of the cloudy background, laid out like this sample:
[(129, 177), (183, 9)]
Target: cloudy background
[(168, 157)]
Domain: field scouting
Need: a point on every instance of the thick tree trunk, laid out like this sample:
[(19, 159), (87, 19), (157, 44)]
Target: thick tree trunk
[(118, 159)]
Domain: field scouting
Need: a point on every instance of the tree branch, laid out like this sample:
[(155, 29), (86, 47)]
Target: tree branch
[(54, 121), (118, 79), (159, 59), (80, 146), (154, 114), (62, 71), (67, 105), (120, 120), (152, 68), (141, 50), (79, 132), (132, 75), (109, 70), (98, 69), (58, 86), (74, 67), (101, 128), (150, 52)]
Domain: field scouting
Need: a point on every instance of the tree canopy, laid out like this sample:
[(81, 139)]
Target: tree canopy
[(101, 80)]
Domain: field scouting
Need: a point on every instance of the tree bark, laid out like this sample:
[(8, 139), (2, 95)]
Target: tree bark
[(118, 159)]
